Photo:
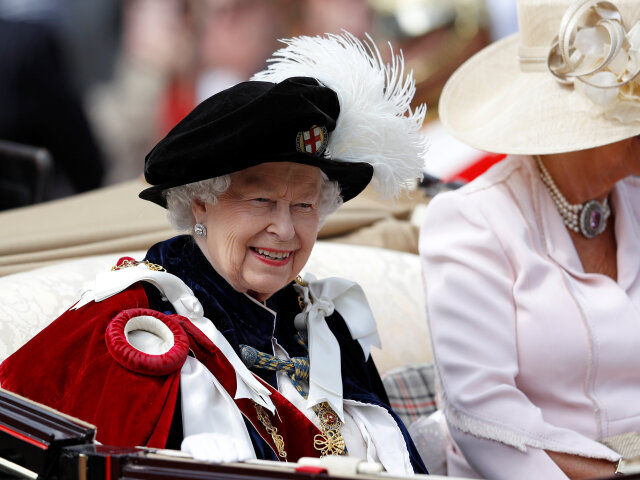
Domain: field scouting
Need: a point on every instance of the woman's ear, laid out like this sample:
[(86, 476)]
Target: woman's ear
[(199, 210)]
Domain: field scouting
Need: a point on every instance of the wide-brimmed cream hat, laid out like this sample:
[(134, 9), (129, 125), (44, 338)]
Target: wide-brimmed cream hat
[(567, 81)]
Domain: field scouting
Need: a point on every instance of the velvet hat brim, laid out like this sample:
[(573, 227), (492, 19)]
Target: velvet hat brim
[(249, 124)]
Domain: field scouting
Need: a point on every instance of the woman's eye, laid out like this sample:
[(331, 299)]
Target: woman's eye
[(259, 203), (305, 206)]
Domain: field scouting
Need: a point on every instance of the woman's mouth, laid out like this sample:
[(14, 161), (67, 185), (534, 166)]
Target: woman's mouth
[(269, 255)]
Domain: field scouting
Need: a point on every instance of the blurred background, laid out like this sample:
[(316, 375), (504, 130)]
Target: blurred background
[(88, 87)]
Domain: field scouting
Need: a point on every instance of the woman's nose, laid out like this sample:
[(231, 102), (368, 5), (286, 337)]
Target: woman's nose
[(281, 222)]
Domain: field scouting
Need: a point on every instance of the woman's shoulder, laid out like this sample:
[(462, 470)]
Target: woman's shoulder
[(496, 212), (499, 193), (512, 173)]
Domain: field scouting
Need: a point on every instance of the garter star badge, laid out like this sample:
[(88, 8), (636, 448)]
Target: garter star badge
[(313, 141)]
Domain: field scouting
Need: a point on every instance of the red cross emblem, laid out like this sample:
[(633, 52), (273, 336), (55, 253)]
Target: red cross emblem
[(313, 141)]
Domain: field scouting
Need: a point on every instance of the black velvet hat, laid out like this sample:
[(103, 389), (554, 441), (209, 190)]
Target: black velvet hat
[(248, 124)]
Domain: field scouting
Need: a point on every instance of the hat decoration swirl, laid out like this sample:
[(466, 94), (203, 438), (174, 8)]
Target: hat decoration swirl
[(376, 124), (595, 53)]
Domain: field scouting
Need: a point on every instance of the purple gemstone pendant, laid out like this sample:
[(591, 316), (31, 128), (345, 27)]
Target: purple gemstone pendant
[(594, 222), (593, 218)]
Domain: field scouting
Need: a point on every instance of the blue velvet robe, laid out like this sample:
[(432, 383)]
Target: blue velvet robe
[(241, 321)]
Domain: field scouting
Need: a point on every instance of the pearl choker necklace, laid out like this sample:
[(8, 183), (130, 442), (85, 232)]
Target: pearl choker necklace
[(589, 218)]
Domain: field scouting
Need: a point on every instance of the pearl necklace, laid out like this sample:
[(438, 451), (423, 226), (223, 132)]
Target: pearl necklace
[(589, 218)]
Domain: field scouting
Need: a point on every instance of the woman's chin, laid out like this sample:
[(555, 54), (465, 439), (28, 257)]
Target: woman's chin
[(265, 287)]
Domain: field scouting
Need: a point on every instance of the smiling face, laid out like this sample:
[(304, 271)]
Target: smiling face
[(261, 230)]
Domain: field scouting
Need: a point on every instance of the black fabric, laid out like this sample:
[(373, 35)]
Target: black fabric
[(176, 435), (246, 125), (38, 106), (241, 320)]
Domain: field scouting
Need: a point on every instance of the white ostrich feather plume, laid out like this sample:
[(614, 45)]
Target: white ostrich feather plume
[(376, 124)]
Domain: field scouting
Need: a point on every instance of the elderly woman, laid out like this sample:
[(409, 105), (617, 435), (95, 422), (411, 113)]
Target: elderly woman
[(532, 271), (213, 343)]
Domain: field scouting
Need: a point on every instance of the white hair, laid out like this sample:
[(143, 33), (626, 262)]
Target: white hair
[(181, 198), (330, 199)]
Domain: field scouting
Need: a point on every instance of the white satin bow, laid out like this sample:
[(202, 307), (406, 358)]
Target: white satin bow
[(322, 298)]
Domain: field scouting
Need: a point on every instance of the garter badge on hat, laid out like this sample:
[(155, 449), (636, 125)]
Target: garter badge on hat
[(313, 141)]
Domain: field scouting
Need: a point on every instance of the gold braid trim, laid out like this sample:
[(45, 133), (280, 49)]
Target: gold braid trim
[(271, 430), (128, 263)]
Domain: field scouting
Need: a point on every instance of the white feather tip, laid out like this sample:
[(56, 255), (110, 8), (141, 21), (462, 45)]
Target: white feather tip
[(376, 123)]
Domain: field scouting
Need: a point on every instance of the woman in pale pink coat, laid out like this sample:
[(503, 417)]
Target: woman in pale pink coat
[(532, 271)]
